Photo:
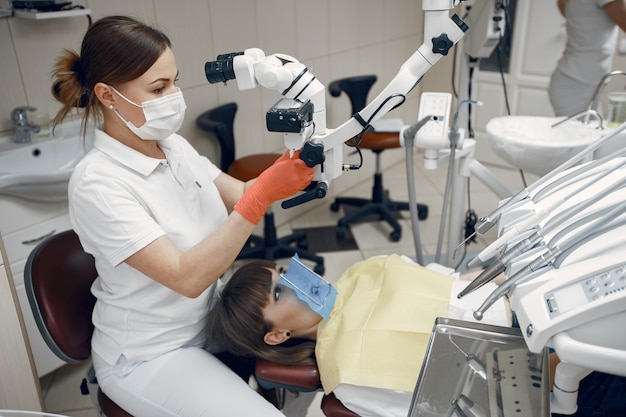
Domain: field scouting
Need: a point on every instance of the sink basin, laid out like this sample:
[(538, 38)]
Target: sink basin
[(40, 170), (533, 145)]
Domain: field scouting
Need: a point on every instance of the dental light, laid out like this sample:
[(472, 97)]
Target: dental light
[(302, 119)]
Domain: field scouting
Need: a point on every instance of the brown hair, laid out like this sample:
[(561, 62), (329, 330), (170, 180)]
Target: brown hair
[(115, 49), (236, 321)]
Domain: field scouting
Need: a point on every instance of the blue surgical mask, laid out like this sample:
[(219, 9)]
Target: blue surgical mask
[(318, 293)]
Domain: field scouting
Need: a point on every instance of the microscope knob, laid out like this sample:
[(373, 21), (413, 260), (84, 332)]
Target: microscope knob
[(312, 154), (442, 44)]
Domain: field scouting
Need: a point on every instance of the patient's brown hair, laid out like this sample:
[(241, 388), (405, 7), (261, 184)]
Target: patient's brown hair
[(236, 321)]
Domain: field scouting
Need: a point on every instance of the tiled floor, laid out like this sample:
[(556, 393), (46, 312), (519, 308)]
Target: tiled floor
[(61, 388)]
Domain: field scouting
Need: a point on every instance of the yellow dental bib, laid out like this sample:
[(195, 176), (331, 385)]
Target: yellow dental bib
[(379, 328)]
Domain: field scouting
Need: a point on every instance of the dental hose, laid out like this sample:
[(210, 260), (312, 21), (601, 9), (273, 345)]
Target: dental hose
[(534, 220), (454, 136), (499, 264), (554, 251), (409, 138), (446, 197)]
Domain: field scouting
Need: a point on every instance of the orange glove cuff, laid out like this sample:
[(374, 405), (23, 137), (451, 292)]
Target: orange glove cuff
[(284, 178)]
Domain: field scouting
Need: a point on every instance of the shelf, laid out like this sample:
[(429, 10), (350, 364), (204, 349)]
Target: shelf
[(36, 15)]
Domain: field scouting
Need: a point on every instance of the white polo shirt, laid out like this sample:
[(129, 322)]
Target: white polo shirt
[(591, 40), (120, 201)]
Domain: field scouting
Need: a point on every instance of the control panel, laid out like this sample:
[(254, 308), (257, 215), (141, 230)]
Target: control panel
[(585, 290)]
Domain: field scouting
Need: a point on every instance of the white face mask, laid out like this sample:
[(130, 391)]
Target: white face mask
[(164, 116)]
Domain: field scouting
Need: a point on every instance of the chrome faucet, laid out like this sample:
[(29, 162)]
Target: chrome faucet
[(596, 94), (22, 127), (591, 111)]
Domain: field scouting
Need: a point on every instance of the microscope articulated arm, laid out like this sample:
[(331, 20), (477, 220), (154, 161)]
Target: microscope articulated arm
[(295, 81)]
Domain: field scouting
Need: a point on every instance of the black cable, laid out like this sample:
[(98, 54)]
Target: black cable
[(355, 143), (499, 56), (470, 129)]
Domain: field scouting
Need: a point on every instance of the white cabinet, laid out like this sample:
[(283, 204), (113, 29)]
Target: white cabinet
[(19, 389), (23, 225)]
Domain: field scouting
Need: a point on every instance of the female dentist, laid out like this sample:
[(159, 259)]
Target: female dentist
[(162, 222)]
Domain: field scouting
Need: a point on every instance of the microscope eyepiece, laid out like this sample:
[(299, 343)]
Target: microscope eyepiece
[(221, 70)]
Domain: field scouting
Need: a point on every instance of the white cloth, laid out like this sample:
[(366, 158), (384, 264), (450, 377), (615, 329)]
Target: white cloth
[(120, 201), (588, 55), (184, 382), (378, 402)]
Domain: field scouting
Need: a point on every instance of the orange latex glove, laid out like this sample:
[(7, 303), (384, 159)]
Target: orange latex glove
[(284, 178)]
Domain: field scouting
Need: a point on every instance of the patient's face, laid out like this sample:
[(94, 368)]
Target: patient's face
[(287, 312)]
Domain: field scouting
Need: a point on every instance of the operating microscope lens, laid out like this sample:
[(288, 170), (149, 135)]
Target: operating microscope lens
[(219, 71)]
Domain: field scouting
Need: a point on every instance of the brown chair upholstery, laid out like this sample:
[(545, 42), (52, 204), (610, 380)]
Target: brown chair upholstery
[(299, 378), (357, 89), (219, 121), (332, 407), (58, 276)]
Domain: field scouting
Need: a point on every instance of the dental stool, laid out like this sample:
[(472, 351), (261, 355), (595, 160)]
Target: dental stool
[(357, 89), (219, 121), (58, 277), (299, 378)]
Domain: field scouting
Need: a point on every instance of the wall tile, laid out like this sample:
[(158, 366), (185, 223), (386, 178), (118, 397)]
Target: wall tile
[(13, 94), (276, 26), (188, 28), (233, 25), (312, 29)]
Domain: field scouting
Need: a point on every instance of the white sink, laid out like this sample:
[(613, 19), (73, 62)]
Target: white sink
[(533, 145), (40, 170)]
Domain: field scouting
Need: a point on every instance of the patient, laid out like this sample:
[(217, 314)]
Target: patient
[(368, 345)]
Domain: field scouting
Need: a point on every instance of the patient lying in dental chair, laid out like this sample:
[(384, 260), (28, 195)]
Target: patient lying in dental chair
[(368, 333)]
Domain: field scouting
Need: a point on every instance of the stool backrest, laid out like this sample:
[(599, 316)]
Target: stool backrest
[(220, 121), (58, 277), (357, 88)]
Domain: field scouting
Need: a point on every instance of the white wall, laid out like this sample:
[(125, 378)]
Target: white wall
[(336, 38)]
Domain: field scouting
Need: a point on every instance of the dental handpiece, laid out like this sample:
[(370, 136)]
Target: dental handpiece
[(520, 277), (499, 264), (553, 250)]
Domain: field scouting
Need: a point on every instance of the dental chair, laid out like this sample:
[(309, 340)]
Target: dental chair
[(299, 378), (357, 89), (58, 276), (219, 122)]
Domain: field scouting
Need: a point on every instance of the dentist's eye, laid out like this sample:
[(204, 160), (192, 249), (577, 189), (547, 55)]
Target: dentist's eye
[(277, 291)]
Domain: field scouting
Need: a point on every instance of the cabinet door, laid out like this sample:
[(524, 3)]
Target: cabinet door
[(45, 360), (18, 245), (18, 387)]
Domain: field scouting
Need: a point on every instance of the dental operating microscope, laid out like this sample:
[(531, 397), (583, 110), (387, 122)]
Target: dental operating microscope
[(301, 114)]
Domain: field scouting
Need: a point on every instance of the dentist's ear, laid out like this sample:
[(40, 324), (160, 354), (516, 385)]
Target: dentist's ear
[(104, 94), (276, 337)]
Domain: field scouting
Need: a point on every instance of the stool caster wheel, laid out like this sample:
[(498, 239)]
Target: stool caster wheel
[(422, 212), (319, 269), (395, 235), (334, 207), (340, 232)]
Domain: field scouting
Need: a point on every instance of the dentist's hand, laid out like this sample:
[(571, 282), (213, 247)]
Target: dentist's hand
[(284, 178)]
